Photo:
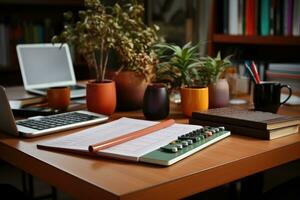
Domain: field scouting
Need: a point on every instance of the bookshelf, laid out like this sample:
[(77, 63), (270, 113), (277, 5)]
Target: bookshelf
[(273, 47), (28, 21)]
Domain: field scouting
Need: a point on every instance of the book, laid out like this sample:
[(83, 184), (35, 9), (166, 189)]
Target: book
[(265, 17), (288, 17), (293, 68), (225, 6), (278, 17), (158, 147), (250, 17), (233, 17), (19, 103), (241, 19), (247, 118), (252, 132), (296, 18), (285, 77)]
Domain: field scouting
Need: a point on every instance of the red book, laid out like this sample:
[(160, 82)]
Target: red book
[(250, 17)]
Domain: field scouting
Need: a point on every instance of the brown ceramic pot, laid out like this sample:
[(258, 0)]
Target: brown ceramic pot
[(218, 94), (130, 90), (101, 97)]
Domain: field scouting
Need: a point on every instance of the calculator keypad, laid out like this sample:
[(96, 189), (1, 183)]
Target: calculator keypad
[(198, 135)]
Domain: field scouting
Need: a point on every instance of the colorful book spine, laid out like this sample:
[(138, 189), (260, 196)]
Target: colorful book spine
[(264, 17), (250, 17)]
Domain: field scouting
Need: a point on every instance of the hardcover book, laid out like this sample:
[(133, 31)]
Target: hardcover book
[(247, 122)]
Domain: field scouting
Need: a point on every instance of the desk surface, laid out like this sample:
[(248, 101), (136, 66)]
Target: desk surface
[(93, 177)]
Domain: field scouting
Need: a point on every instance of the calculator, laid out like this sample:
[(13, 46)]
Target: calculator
[(185, 145)]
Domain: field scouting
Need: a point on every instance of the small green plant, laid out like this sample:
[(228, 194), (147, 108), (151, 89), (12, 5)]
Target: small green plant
[(101, 30), (213, 68), (178, 66)]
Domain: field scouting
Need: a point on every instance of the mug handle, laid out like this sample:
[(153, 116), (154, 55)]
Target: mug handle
[(290, 93)]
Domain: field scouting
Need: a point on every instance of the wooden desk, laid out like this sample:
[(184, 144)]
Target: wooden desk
[(98, 178)]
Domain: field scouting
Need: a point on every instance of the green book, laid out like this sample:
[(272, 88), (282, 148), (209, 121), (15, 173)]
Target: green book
[(265, 17)]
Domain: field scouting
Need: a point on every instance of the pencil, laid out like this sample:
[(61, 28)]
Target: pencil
[(250, 73), (130, 136), (254, 70)]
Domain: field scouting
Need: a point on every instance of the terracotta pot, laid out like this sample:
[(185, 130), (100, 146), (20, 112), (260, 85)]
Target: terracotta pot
[(218, 94), (194, 99), (101, 97), (130, 90), (58, 97)]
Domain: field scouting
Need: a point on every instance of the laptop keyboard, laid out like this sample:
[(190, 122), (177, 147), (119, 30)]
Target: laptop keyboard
[(56, 120)]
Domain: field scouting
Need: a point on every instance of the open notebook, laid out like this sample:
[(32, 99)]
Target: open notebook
[(133, 150)]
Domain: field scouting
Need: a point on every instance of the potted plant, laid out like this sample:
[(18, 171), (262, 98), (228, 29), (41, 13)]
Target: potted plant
[(101, 30), (212, 74), (179, 67), (134, 41)]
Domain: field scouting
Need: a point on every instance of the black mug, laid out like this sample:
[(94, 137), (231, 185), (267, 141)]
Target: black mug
[(266, 96), (156, 102)]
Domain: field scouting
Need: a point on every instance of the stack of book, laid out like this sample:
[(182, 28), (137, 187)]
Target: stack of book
[(257, 124), (286, 73), (264, 17)]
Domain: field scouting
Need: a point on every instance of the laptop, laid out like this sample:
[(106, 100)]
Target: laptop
[(47, 65), (42, 125)]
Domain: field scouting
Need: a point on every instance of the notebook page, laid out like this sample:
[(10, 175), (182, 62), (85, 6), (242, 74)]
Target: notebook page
[(130, 150)]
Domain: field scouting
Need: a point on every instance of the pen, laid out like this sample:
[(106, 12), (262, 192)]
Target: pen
[(254, 70), (130, 136), (250, 73)]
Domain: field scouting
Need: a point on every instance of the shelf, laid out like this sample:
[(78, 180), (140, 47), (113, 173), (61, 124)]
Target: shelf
[(257, 40), (43, 2)]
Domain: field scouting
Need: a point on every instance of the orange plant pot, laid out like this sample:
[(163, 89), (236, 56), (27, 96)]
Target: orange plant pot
[(193, 99), (101, 97), (58, 97)]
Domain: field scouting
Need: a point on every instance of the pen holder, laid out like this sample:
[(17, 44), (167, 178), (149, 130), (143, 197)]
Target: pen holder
[(156, 102), (58, 97)]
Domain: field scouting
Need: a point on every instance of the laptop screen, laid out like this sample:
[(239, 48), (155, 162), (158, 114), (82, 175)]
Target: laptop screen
[(45, 65)]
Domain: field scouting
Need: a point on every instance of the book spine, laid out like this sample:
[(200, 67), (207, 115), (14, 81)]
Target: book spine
[(296, 18), (272, 17), (4, 44), (241, 15), (250, 17), (281, 75), (290, 18), (238, 130), (264, 17), (233, 17), (225, 16), (278, 20), (286, 16)]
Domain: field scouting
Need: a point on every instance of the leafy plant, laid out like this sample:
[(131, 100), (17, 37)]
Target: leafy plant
[(178, 66), (134, 40), (101, 29), (213, 68)]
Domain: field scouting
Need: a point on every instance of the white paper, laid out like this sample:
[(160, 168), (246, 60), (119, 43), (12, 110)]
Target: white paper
[(130, 150)]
